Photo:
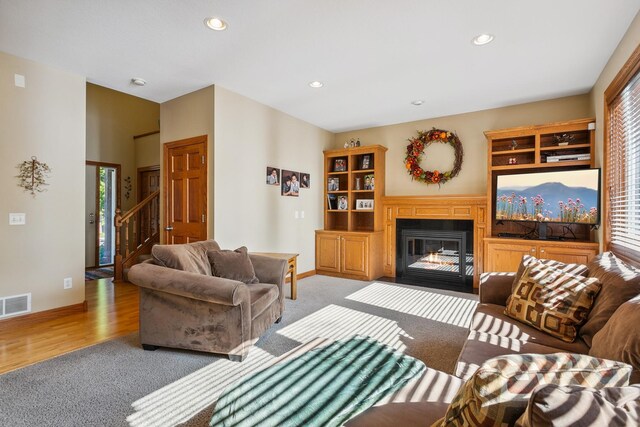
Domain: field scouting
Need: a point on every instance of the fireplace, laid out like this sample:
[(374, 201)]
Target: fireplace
[(435, 253)]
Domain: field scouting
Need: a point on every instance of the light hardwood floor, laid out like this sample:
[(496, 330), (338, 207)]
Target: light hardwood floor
[(112, 312)]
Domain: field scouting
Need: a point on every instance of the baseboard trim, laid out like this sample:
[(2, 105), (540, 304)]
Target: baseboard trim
[(306, 274), (41, 316)]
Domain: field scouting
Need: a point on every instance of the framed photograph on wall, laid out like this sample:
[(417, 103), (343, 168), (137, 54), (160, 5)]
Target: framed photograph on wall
[(290, 183), (305, 180), (339, 165), (364, 204), (273, 176)]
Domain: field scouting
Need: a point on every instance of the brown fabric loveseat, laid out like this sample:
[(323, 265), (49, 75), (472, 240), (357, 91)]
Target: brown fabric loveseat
[(610, 332), (182, 305)]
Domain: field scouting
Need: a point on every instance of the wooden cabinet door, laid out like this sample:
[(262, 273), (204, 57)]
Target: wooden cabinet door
[(567, 255), (506, 257), (355, 255), (328, 252)]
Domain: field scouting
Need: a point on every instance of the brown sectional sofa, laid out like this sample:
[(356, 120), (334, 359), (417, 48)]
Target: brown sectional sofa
[(492, 334)]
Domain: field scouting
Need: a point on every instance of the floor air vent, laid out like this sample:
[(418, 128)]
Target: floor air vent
[(17, 304)]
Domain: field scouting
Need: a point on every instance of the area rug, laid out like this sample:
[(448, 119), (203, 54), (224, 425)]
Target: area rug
[(98, 273), (116, 383)]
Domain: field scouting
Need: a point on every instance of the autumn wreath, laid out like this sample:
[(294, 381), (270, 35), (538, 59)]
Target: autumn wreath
[(415, 153)]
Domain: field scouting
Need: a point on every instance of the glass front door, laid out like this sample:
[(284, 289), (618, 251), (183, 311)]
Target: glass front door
[(107, 198)]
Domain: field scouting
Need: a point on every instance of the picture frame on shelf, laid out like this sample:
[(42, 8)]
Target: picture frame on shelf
[(332, 202), (343, 203), (333, 184), (369, 182), (365, 162), (339, 165), (364, 204)]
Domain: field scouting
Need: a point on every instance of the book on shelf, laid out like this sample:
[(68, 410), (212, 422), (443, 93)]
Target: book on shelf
[(568, 157)]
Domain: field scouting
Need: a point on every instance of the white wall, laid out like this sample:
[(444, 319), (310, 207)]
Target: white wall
[(250, 136), (45, 119)]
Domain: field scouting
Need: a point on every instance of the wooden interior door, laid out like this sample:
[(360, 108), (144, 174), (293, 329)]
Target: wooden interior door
[(185, 190), (148, 218)]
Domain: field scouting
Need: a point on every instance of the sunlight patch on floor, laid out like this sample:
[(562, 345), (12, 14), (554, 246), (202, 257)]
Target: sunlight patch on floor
[(448, 309), (183, 399), (335, 322)]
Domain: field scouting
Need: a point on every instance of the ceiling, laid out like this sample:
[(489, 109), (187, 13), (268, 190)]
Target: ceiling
[(374, 57)]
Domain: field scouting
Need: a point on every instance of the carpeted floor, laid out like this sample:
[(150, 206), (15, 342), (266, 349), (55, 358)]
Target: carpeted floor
[(98, 273), (116, 383)]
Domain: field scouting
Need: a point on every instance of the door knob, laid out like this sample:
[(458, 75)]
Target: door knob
[(169, 228)]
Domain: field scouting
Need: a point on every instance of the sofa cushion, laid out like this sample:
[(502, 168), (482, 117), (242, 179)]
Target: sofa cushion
[(262, 296), (233, 265), (620, 283), (490, 319), (499, 390), (553, 405), (620, 337), (528, 260), (552, 300), (479, 347), (191, 257)]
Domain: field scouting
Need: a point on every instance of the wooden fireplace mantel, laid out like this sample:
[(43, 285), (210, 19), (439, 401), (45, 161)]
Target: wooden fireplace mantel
[(457, 207)]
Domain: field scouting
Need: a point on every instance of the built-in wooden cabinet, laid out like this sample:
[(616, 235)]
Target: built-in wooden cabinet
[(351, 243), (349, 254), (504, 255)]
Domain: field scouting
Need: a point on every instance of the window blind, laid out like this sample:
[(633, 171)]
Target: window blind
[(623, 171)]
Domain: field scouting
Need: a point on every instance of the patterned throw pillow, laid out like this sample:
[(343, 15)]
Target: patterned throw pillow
[(528, 261), (498, 393), (552, 300)]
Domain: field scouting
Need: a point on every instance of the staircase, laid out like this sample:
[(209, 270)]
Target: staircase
[(136, 232)]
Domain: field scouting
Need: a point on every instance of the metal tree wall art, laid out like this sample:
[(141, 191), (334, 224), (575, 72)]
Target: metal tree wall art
[(33, 175)]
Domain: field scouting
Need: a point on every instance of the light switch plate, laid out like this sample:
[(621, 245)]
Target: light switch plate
[(17, 219), (19, 80)]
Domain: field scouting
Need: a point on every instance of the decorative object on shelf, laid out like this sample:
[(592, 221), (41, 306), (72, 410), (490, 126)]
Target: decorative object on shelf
[(342, 203), (333, 184), (33, 174), (564, 139), (364, 204), (273, 176), (513, 161), (305, 180), (415, 152), (369, 182), (339, 165), (290, 183), (127, 187), (332, 202), (365, 161), (353, 142), (358, 185), (514, 144)]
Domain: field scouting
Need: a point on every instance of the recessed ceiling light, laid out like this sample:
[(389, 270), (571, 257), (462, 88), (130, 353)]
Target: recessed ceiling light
[(138, 81), (482, 39), (417, 102), (316, 84), (216, 24)]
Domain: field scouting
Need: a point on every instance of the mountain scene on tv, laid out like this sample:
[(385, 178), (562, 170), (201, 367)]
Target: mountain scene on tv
[(552, 201)]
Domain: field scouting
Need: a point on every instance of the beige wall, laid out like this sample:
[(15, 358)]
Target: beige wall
[(469, 127), (185, 117), (250, 136), (147, 150), (113, 119), (627, 45), (45, 119)]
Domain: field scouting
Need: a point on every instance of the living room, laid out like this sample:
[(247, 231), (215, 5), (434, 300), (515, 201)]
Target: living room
[(247, 91)]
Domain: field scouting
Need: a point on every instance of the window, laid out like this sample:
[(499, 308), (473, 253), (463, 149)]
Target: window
[(622, 162)]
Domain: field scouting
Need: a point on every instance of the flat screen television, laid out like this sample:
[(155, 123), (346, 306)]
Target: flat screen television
[(567, 197)]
